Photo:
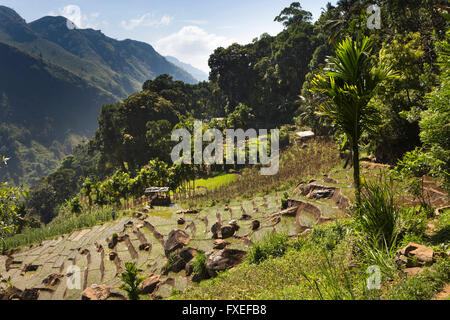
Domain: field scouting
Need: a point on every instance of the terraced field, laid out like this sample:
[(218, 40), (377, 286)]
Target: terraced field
[(45, 269)]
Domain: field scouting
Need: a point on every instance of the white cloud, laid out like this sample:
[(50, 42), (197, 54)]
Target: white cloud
[(147, 20), (74, 14), (192, 45)]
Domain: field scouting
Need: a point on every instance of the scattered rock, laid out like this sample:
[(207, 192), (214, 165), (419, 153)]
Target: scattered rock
[(412, 271), (129, 224), (189, 268), (112, 256), (234, 224), (96, 292), (245, 216), (188, 253), (145, 246), (215, 230), (30, 294), (176, 239), (181, 221), (149, 285), (137, 215), (223, 259), (30, 267), (227, 231), (255, 225), (220, 244), (52, 279), (414, 255)]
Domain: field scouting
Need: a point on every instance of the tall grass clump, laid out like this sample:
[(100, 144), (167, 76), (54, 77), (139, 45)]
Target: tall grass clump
[(378, 214), (273, 245)]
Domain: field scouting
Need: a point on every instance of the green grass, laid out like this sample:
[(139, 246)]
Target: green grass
[(272, 245), (423, 286), (216, 182), (61, 225)]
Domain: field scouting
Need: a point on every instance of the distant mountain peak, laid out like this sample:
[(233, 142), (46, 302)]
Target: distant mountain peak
[(6, 12), (198, 74)]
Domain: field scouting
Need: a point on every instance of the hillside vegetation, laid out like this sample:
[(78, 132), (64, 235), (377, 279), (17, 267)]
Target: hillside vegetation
[(360, 210)]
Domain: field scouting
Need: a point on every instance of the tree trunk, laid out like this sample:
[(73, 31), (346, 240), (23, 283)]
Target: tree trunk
[(356, 175)]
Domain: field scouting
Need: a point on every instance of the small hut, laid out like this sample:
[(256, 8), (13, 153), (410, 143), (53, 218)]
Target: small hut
[(158, 196)]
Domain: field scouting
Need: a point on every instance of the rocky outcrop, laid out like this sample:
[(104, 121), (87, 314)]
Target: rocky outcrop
[(227, 231), (96, 292), (220, 244), (149, 285), (414, 255), (255, 225), (223, 259), (176, 239), (52, 279)]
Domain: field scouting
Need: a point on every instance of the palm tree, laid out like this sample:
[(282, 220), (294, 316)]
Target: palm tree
[(349, 84)]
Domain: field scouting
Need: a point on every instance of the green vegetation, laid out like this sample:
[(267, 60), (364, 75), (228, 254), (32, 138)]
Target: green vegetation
[(63, 224), (131, 281), (273, 245), (199, 266), (350, 97), (349, 84)]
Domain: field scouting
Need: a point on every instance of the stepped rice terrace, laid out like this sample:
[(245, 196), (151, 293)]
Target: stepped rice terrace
[(226, 227)]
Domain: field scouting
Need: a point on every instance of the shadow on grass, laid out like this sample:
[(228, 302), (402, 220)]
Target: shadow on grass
[(442, 236)]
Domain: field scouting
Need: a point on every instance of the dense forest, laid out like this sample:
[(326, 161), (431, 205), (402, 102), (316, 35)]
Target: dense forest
[(271, 83)]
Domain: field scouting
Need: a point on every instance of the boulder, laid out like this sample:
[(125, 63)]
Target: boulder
[(137, 215), (414, 255), (227, 231), (220, 244), (223, 259), (188, 253), (255, 225), (112, 255), (176, 239), (145, 246), (149, 285), (30, 294), (234, 224), (245, 216), (215, 230), (189, 268), (96, 292), (52, 279), (181, 221)]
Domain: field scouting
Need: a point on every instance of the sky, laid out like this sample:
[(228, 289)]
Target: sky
[(188, 30)]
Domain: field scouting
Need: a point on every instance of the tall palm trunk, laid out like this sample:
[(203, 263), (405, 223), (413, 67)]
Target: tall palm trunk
[(356, 174)]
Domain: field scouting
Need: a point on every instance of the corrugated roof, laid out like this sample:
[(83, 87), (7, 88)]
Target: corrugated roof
[(157, 189)]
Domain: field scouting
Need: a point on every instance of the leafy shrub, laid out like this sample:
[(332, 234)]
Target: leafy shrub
[(411, 221), (331, 235), (273, 245), (199, 265), (75, 205), (131, 280), (378, 214)]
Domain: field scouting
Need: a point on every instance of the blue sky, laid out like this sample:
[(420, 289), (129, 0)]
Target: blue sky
[(188, 30)]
